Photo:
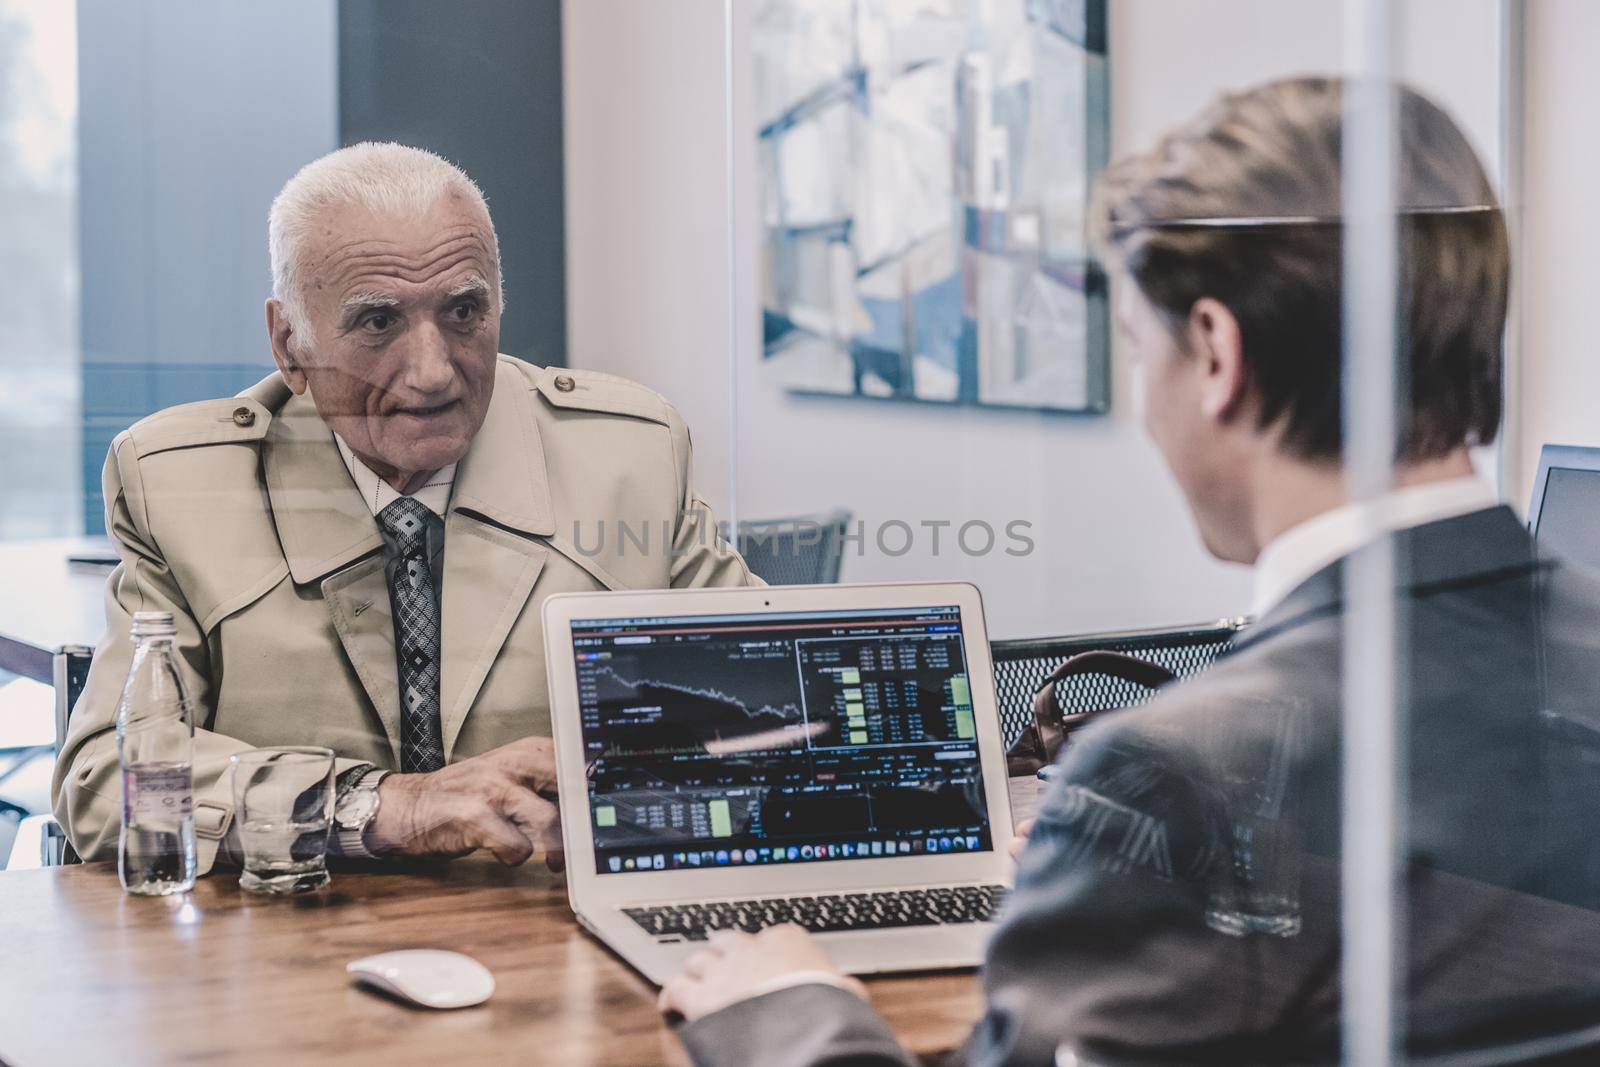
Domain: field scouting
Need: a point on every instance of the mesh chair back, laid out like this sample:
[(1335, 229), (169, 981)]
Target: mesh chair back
[(803, 550), (1021, 666)]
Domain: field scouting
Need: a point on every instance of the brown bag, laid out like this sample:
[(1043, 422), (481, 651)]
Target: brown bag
[(1041, 742)]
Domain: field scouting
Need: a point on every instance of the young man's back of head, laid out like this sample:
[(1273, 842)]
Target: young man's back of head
[(1228, 238)]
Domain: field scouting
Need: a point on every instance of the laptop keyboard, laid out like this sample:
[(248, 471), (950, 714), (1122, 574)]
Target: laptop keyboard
[(824, 914)]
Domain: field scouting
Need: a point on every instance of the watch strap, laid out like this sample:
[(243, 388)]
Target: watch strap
[(352, 844), (347, 781)]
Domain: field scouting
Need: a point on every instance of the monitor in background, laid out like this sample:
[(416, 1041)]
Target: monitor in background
[(1564, 515)]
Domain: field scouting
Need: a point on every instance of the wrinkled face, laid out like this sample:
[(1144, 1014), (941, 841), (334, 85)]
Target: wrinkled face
[(405, 326)]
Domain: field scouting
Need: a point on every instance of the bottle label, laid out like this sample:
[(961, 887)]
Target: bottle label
[(156, 794)]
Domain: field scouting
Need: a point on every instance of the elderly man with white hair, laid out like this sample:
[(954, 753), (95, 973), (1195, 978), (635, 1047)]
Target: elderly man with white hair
[(355, 550)]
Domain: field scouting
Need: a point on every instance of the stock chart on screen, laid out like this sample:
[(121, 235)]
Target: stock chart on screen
[(779, 738)]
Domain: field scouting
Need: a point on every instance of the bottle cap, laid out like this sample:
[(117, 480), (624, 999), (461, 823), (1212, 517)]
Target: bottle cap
[(153, 624)]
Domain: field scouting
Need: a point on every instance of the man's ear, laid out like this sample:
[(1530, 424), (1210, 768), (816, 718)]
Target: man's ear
[(281, 334), (1216, 341)]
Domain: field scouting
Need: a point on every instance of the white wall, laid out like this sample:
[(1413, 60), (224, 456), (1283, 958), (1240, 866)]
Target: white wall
[(648, 299), (1560, 273)]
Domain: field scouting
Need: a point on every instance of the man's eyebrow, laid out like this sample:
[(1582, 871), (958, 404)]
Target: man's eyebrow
[(365, 301), (472, 285)]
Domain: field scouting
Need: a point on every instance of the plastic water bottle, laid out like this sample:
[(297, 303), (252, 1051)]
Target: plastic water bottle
[(155, 745)]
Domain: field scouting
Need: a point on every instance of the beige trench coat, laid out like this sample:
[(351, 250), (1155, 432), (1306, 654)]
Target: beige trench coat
[(240, 518)]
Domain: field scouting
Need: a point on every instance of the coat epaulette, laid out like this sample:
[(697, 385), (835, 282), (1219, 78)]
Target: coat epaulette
[(587, 390), (225, 421)]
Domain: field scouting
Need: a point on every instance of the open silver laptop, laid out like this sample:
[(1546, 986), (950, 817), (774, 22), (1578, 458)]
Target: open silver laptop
[(827, 755)]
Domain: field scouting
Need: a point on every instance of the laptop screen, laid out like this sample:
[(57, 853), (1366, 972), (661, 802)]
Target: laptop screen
[(723, 740)]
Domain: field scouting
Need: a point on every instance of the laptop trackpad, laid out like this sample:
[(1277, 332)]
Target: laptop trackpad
[(918, 948)]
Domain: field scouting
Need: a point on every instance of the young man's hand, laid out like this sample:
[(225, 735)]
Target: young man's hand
[(735, 966), (1019, 838)]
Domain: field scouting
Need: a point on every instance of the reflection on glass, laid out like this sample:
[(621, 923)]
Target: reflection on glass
[(39, 394), (925, 176), (1179, 898)]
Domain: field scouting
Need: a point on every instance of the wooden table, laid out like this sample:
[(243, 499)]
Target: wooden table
[(89, 974)]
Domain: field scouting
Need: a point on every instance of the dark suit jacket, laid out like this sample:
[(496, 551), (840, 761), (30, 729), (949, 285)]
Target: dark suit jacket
[(1181, 827)]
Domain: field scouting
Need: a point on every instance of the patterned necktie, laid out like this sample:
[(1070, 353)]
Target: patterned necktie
[(416, 634)]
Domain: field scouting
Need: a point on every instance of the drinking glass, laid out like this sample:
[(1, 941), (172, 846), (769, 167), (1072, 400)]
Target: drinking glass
[(283, 808), (1257, 890)]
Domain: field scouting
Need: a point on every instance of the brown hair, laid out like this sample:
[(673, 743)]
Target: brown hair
[(1273, 153)]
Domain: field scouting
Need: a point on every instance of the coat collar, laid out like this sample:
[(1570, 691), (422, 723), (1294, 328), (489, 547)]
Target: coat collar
[(1479, 546), (502, 478), (499, 512), (323, 523), (1298, 553)]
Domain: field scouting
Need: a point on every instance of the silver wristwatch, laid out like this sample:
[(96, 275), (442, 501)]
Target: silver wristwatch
[(354, 811)]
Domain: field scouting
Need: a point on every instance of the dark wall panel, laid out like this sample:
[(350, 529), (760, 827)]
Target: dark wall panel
[(191, 116), (479, 82)]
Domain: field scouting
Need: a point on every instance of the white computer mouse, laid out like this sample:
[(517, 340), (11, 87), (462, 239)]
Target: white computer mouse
[(430, 977)]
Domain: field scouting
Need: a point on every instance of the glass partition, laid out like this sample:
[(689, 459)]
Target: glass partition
[(942, 382), (41, 387), (930, 348), (847, 259), (141, 148), (40, 381)]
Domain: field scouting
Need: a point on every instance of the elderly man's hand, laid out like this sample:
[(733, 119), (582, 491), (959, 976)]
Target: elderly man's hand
[(501, 801), (735, 966)]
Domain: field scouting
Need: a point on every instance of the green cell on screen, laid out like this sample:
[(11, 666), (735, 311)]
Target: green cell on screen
[(960, 691), (721, 821), (605, 816)]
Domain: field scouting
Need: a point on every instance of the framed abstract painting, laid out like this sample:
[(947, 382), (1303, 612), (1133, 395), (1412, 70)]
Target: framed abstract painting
[(926, 167)]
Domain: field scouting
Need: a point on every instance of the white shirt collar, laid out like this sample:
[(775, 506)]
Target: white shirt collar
[(379, 494), (1303, 550)]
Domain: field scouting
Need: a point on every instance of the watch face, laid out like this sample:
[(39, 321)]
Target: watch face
[(356, 808)]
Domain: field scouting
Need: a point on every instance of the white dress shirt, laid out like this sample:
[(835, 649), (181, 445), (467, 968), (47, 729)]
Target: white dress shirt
[(379, 494), (1303, 550)]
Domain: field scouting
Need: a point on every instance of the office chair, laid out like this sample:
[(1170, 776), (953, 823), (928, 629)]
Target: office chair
[(1021, 667), (11, 817), (802, 550), (40, 841)]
